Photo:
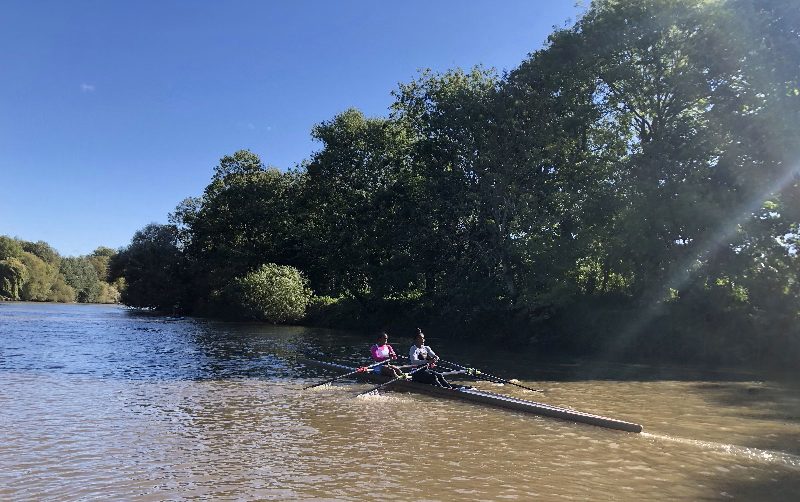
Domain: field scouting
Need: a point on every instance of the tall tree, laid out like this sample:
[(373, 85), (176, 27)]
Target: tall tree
[(245, 218), (43, 250), (360, 208), (80, 275), (10, 248), (464, 205), (152, 268), (42, 276), (13, 275)]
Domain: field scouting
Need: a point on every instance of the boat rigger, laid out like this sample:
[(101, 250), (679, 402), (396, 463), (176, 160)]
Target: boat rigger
[(485, 397)]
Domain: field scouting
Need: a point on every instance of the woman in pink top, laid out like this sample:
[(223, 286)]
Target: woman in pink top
[(382, 351)]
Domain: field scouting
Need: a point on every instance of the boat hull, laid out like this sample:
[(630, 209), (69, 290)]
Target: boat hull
[(487, 398)]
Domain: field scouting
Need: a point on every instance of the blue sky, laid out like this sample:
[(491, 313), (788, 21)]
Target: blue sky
[(112, 112)]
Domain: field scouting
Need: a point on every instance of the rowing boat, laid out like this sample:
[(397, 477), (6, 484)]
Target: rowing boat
[(485, 397)]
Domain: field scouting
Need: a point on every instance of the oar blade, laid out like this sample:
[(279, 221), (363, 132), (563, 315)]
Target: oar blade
[(319, 384)]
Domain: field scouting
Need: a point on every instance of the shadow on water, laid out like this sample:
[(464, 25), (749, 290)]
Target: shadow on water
[(774, 403), (783, 486), (529, 365), (758, 400)]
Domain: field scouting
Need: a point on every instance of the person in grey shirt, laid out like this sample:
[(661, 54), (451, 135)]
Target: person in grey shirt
[(420, 354)]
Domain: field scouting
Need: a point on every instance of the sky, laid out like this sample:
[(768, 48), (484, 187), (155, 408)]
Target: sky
[(112, 112)]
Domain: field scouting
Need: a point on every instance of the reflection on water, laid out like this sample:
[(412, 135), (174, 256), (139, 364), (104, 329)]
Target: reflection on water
[(102, 403)]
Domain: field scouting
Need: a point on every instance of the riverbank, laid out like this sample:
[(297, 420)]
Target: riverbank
[(618, 333), (590, 332)]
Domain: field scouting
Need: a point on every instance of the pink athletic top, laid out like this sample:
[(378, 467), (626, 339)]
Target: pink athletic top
[(382, 352)]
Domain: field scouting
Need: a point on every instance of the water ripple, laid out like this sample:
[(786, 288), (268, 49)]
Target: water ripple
[(99, 403)]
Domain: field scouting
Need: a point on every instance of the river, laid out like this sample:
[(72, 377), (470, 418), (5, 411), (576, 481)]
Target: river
[(105, 403)]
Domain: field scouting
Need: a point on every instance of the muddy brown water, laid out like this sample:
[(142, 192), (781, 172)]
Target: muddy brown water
[(102, 403)]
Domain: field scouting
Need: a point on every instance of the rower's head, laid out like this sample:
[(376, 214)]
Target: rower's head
[(419, 339), (383, 338)]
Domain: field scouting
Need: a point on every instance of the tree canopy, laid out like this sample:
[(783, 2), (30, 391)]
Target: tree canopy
[(34, 271)]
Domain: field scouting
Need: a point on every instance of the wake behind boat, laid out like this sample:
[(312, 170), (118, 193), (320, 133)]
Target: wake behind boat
[(484, 397)]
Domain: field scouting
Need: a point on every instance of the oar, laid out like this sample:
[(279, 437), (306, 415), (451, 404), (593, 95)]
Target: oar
[(393, 380), (477, 373), (359, 370)]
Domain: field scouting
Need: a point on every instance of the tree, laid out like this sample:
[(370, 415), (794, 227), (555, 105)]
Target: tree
[(9, 248), (108, 294), (151, 266), (13, 275), (243, 218), (80, 275), (61, 292), (242, 162), (358, 200), (462, 219), (100, 259), (44, 251), (681, 208), (41, 277)]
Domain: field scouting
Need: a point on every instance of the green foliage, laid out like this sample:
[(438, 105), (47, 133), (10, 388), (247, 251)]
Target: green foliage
[(337, 312), (151, 266), (319, 307), (108, 294), (41, 278), (630, 187), (43, 251), (241, 163), (61, 292), (13, 275), (9, 248), (273, 293), (462, 240), (359, 200), (104, 251), (247, 214), (34, 271), (100, 260), (81, 276), (100, 265)]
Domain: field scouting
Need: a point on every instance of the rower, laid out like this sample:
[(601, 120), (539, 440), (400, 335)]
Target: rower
[(382, 351), (420, 354)]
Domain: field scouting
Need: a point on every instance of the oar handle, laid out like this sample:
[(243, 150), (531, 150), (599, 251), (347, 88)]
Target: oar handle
[(393, 380)]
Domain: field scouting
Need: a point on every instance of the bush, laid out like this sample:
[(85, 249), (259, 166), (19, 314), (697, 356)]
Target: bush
[(108, 294), (62, 292), (273, 293)]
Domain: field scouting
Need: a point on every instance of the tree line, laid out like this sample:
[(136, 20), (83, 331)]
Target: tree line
[(629, 189), (34, 271)]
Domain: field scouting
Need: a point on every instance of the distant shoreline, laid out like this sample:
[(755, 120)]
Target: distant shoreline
[(59, 303)]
